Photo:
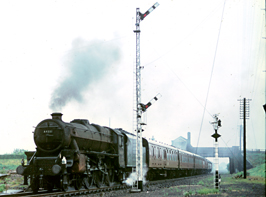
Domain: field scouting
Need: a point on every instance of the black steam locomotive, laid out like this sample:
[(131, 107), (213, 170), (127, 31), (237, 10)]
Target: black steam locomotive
[(83, 154)]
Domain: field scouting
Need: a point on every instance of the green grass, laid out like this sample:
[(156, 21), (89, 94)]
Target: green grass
[(231, 180), (188, 193), (201, 183), (206, 182), (2, 187), (205, 191)]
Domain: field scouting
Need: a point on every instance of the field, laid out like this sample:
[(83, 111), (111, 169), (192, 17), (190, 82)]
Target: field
[(7, 165)]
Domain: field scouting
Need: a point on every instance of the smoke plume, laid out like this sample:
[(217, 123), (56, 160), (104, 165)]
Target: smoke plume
[(86, 62)]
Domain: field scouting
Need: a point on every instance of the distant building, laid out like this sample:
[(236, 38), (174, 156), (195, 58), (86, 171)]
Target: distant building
[(182, 142)]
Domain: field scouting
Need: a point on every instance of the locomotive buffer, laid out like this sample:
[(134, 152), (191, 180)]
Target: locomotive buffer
[(139, 165)]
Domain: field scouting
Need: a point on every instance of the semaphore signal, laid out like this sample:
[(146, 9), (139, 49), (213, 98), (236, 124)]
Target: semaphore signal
[(138, 186), (145, 107)]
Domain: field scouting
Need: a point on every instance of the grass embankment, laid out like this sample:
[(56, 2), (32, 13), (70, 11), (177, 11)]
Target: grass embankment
[(258, 161), (258, 171), (256, 158)]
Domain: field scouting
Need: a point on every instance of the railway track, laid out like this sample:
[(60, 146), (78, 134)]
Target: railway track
[(57, 193), (82, 192)]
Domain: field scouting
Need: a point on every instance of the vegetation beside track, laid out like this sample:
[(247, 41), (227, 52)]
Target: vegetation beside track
[(7, 166), (231, 185)]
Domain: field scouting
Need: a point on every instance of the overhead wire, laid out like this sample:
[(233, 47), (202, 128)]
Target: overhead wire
[(251, 40), (188, 35), (236, 158), (213, 64)]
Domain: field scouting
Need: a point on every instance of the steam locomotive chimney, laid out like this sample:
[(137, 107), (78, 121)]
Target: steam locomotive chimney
[(57, 116)]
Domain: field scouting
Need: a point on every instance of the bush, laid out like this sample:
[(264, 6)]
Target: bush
[(18, 151)]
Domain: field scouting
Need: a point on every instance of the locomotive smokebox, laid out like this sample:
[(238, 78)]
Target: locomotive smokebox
[(57, 116)]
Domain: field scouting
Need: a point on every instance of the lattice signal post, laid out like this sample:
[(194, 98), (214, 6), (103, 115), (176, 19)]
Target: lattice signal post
[(244, 114), (139, 166)]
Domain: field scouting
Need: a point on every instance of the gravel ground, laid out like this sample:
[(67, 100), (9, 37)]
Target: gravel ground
[(199, 187)]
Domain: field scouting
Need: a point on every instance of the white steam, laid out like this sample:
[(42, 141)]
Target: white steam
[(133, 177)]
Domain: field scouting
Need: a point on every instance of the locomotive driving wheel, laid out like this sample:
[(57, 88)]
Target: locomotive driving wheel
[(65, 183), (78, 181), (88, 181), (98, 178), (49, 184), (34, 183), (109, 178), (111, 175)]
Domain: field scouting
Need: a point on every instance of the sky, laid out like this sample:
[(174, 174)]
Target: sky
[(79, 58)]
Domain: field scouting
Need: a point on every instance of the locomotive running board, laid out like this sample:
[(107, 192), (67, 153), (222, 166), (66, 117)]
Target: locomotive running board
[(99, 153)]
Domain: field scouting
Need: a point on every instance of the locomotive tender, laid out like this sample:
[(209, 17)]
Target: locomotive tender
[(83, 154)]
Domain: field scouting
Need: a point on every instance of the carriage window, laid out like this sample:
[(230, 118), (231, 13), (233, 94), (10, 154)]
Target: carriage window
[(173, 158), (164, 154), (184, 158), (171, 155), (122, 141)]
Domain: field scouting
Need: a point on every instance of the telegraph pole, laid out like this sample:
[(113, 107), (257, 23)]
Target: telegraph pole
[(139, 163), (244, 114), (240, 139), (216, 124)]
